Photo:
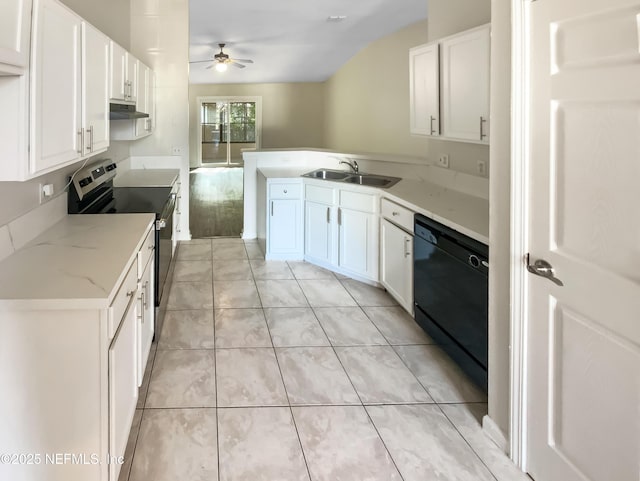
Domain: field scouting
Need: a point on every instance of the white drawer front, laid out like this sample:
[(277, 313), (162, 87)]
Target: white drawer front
[(358, 201), (126, 293), (146, 251), (315, 193), (397, 214), (284, 191)]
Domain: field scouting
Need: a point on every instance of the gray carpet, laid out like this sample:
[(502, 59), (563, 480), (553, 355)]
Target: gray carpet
[(216, 202)]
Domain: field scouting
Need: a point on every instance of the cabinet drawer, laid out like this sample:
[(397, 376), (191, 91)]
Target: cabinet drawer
[(284, 191), (314, 193), (146, 251), (126, 294), (357, 201), (397, 214)]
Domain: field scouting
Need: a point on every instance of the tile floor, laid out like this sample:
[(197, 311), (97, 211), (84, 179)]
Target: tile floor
[(284, 371)]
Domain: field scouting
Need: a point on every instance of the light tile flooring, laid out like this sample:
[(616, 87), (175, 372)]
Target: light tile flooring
[(284, 371)]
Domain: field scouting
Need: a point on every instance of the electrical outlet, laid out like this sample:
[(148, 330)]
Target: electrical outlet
[(482, 168), (176, 150), (443, 161), (46, 192)]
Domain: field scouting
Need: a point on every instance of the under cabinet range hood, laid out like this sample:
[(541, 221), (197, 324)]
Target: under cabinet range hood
[(125, 112)]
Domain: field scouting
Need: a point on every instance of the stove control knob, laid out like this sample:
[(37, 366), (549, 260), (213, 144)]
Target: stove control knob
[(85, 181)]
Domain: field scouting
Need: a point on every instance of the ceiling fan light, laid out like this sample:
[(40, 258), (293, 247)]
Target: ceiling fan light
[(221, 67)]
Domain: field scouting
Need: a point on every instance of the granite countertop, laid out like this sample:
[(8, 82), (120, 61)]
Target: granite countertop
[(79, 263), (464, 213), (146, 178)]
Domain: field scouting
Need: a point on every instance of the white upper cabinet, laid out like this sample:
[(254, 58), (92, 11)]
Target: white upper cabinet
[(465, 85), (144, 100), (124, 74), (15, 23), (69, 88), (56, 123), (118, 67), (424, 62), (449, 87), (95, 85)]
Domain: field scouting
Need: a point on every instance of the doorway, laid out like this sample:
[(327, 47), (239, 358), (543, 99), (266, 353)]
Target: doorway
[(226, 127)]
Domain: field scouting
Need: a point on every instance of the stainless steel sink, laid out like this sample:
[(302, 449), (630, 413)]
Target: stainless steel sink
[(372, 180), (369, 180), (327, 174)]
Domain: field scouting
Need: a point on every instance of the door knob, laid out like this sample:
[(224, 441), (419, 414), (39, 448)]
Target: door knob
[(543, 269)]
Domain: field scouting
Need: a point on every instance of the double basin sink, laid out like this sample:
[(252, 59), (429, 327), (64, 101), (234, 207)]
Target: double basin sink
[(370, 180)]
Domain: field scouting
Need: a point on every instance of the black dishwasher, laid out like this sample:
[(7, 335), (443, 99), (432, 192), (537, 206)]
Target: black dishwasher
[(451, 294)]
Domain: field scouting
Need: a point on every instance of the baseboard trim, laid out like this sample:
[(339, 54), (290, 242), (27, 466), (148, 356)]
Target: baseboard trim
[(493, 432)]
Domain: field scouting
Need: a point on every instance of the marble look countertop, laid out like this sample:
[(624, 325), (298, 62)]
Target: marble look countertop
[(146, 178), (464, 213), (79, 263)]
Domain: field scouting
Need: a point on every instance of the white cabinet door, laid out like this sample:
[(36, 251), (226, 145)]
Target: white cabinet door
[(142, 104), (56, 130), (358, 242), (177, 213), (146, 317), (95, 89), (132, 78), (396, 263), (424, 88), (151, 100), (123, 386), (284, 227), (465, 85), (317, 232), (118, 68), (15, 29)]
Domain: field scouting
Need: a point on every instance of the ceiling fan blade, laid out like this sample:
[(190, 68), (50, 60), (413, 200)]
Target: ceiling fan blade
[(243, 60), (238, 65), (210, 66), (201, 61)]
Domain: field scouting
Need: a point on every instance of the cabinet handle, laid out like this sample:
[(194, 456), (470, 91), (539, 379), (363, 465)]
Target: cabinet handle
[(80, 141), (407, 252), (339, 216), (145, 296), (432, 118), (90, 146), (285, 191), (482, 122), (131, 293), (394, 214), (328, 215), (271, 208)]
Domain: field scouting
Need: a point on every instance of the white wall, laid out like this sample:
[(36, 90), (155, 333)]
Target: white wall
[(499, 215), (367, 99), (292, 113), (110, 17), (160, 39)]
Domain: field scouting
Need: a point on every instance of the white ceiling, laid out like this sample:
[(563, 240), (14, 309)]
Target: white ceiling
[(290, 40)]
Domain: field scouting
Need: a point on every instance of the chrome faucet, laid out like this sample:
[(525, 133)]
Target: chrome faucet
[(353, 164)]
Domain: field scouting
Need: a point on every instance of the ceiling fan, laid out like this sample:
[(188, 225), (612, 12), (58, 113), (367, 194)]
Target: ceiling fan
[(221, 60)]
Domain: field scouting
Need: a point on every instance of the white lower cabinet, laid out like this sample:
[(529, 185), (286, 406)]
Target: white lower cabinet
[(341, 230), (396, 263), (123, 386), (146, 302), (358, 242), (284, 229)]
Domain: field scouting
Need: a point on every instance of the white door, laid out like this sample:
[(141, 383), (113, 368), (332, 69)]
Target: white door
[(123, 386), (95, 89), (396, 263), (424, 89), (15, 19), (584, 337), (132, 77), (317, 231), (284, 224), (357, 242), (56, 131), (118, 68), (142, 104), (465, 85), (146, 314)]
